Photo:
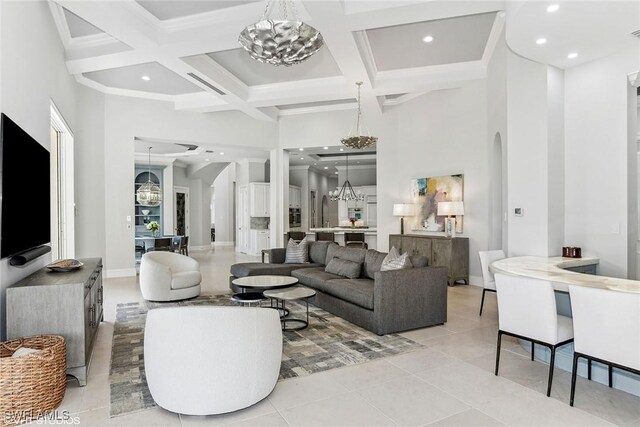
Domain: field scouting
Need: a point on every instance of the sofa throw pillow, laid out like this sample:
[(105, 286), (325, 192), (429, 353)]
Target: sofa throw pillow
[(297, 253), (395, 261), (344, 267)]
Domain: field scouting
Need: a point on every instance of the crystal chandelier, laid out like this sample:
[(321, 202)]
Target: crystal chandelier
[(280, 41), (149, 193), (358, 140), (346, 193)]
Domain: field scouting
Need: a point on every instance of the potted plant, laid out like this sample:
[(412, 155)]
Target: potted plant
[(353, 222)]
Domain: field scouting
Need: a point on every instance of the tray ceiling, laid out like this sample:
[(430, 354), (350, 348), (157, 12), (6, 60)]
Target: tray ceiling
[(190, 52)]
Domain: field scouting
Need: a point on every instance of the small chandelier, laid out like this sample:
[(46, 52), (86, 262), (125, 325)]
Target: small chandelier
[(149, 193), (346, 193), (359, 140), (280, 41)]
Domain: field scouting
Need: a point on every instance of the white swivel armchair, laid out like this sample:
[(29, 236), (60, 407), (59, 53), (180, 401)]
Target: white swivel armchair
[(167, 276), (527, 310), (607, 330), (489, 282), (204, 360)]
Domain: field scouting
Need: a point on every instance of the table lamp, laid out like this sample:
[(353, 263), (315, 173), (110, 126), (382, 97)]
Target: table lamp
[(450, 209), (402, 210)]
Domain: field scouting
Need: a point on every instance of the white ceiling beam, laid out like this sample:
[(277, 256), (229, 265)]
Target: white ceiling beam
[(386, 16), (330, 20), (140, 33), (494, 37)]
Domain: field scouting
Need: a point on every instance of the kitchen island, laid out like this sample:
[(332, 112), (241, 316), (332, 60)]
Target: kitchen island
[(370, 234), (562, 272)]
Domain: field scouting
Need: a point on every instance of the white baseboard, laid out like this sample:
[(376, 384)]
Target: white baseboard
[(224, 243), (476, 281), (199, 248), (120, 272)]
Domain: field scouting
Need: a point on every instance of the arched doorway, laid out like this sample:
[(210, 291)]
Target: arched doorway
[(498, 189)]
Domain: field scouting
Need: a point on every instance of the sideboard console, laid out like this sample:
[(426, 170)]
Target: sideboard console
[(450, 252), (60, 303)]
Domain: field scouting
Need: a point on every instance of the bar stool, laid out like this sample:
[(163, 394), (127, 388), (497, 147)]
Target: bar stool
[(607, 330), (486, 258), (325, 236), (355, 239), (297, 236), (527, 310)]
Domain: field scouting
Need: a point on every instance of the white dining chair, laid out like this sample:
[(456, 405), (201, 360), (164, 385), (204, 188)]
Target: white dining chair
[(607, 330), (527, 310), (489, 282)]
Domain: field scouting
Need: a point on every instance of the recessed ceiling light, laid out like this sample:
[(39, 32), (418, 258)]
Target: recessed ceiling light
[(541, 40), (315, 164), (553, 8), (428, 39), (336, 172), (326, 167), (300, 149), (145, 78), (326, 148), (301, 158), (342, 149), (572, 55), (207, 160), (222, 154)]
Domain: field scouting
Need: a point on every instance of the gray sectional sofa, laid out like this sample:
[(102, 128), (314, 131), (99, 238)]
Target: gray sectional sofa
[(381, 301)]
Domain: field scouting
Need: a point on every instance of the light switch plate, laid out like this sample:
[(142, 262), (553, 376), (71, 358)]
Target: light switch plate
[(128, 218)]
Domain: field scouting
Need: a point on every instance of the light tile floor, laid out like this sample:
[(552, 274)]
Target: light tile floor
[(448, 383)]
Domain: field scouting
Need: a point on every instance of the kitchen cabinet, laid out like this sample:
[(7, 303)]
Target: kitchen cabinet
[(259, 199), (450, 252), (295, 197), (259, 240)]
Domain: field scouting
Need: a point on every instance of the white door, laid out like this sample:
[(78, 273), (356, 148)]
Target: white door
[(243, 219)]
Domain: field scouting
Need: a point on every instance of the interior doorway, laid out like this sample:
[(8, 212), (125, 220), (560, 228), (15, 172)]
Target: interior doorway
[(181, 217), (325, 211), (312, 209), (498, 216), (62, 187)]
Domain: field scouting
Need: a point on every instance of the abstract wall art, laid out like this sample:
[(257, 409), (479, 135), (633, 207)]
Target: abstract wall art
[(427, 192)]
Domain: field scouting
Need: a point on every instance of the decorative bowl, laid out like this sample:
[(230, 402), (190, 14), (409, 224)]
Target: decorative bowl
[(65, 265), (145, 211)]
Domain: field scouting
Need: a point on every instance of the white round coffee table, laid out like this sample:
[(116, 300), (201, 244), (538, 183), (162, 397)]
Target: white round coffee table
[(253, 287), (280, 296)]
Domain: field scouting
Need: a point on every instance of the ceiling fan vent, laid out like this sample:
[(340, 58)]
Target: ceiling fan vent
[(636, 33), (206, 83)]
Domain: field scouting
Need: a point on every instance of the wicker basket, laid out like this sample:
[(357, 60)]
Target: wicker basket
[(33, 384)]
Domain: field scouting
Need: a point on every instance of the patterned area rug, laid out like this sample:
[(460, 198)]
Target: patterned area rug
[(329, 342)]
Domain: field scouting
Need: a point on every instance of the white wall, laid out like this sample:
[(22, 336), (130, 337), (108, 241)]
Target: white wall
[(33, 73), (555, 159), (127, 118), (596, 160), (527, 156), (224, 206), (440, 133), (497, 137), (358, 175)]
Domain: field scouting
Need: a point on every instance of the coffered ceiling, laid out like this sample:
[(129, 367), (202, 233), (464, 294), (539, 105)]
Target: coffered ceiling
[(189, 53)]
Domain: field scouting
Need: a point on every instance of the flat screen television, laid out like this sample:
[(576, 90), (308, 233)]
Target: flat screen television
[(26, 199)]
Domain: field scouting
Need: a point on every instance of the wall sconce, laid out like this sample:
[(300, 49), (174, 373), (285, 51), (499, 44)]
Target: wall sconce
[(450, 209)]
